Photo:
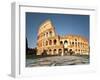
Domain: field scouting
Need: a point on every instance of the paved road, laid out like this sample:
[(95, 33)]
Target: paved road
[(56, 61)]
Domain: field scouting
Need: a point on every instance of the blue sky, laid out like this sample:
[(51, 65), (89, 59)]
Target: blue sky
[(64, 24)]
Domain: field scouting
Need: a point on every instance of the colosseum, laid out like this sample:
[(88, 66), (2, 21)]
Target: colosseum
[(51, 43)]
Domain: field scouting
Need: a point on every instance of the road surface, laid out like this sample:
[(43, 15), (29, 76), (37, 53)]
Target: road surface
[(57, 61)]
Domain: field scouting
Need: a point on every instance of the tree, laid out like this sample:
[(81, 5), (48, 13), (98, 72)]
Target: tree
[(26, 44), (34, 51)]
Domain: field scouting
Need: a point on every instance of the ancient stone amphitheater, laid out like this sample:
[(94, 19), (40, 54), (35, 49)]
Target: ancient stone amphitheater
[(49, 42)]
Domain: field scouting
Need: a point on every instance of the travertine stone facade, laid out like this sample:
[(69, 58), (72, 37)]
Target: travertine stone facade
[(54, 44)]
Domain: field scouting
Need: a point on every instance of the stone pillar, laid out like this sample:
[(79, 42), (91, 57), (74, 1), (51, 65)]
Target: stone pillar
[(52, 51), (57, 51), (62, 54)]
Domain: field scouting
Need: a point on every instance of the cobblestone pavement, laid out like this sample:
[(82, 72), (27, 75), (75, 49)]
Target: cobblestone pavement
[(57, 61)]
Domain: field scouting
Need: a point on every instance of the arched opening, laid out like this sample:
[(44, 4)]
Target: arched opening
[(60, 51), (55, 51), (71, 51), (61, 42), (76, 44), (46, 34), (55, 41), (44, 53), (66, 51), (73, 43), (75, 39), (50, 51), (65, 42), (50, 42), (46, 43), (50, 33)]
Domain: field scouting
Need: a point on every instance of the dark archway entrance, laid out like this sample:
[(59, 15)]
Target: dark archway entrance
[(71, 52), (55, 51), (66, 51), (60, 51)]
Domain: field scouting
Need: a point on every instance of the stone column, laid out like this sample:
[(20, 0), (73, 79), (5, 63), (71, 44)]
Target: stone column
[(57, 51), (62, 54), (52, 51)]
